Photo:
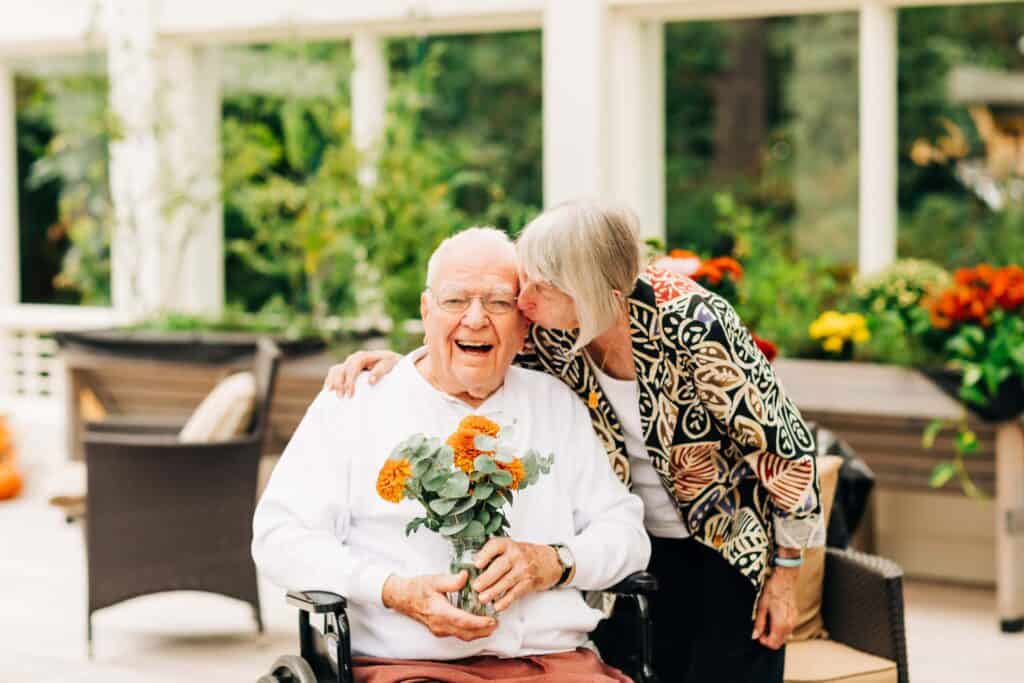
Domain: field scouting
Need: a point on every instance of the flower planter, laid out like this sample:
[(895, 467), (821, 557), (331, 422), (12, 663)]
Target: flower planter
[(1007, 405), (186, 347)]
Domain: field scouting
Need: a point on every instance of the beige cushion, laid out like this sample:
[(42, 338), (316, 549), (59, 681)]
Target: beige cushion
[(809, 623), (224, 413), (821, 661)]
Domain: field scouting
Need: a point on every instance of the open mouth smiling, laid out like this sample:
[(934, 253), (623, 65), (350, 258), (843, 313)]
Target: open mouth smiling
[(478, 348)]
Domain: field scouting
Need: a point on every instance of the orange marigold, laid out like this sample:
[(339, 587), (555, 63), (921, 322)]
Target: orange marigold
[(463, 443), (516, 469), (392, 478), (480, 425)]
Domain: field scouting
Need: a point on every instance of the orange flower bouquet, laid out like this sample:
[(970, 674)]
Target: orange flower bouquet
[(464, 485)]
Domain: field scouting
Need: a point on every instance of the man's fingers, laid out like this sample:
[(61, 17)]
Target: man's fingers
[(449, 583), (504, 602), (502, 587), (491, 549), (495, 572)]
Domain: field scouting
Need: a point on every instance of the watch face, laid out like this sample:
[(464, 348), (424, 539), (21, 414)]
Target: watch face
[(565, 556)]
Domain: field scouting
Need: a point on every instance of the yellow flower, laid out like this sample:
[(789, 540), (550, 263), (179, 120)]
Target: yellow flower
[(861, 336), (392, 478), (833, 344)]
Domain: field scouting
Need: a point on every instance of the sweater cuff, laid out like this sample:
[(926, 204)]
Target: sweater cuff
[(368, 586)]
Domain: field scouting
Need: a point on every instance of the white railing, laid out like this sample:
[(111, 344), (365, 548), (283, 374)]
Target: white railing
[(29, 368)]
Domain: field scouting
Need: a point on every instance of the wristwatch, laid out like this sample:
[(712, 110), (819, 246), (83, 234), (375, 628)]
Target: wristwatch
[(568, 563)]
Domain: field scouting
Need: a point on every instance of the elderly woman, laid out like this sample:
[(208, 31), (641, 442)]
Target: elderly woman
[(693, 419)]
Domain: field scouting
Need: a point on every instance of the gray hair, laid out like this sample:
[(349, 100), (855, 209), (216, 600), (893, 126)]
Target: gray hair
[(589, 251), (484, 234)]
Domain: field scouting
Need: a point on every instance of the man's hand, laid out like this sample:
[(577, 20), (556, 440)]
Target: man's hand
[(776, 611), (514, 570), (423, 598)]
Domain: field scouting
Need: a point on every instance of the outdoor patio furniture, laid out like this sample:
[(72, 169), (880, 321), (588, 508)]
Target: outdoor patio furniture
[(863, 611), (164, 515), (325, 654)]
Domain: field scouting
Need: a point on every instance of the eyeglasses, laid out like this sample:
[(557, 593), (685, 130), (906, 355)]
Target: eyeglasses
[(495, 303)]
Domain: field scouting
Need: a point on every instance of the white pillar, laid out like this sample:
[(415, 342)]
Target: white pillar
[(369, 98), (9, 255), (636, 130), (136, 264), (191, 158), (878, 137), (575, 111), (166, 246), (9, 261)]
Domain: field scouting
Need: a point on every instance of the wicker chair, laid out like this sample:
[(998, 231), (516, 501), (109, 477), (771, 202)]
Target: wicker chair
[(862, 605), (162, 515)]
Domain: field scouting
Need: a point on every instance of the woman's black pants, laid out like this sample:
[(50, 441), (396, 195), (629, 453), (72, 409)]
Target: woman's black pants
[(702, 616)]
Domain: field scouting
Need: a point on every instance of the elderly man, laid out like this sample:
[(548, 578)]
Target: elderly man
[(321, 525)]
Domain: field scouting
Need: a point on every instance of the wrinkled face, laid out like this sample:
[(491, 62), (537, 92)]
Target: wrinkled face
[(546, 305), (473, 327)]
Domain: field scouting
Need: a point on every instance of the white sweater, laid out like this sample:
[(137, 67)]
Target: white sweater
[(321, 525)]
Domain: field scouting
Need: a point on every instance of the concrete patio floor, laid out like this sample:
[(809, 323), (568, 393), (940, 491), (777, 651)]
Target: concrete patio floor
[(952, 632)]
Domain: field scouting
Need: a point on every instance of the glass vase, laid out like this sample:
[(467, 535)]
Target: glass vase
[(464, 551)]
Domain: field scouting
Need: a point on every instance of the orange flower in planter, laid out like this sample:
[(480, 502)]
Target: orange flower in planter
[(392, 478), (978, 291)]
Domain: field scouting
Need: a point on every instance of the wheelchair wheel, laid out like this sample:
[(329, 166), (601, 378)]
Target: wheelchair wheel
[(289, 669)]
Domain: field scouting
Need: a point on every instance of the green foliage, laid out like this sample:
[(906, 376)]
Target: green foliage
[(965, 445), (74, 159), (891, 302), (988, 356), (781, 293), (959, 232)]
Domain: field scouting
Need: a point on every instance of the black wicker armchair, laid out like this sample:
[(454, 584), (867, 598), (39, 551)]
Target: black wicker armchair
[(862, 605), (163, 515)]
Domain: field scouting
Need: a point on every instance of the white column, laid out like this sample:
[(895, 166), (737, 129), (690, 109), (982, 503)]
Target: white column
[(575, 104), (9, 258), (369, 98), (167, 251), (191, 157), (636, 130), (878, 141), (136, 264), (9, 265)]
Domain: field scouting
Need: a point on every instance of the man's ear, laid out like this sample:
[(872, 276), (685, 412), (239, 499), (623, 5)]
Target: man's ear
[(424, 307)]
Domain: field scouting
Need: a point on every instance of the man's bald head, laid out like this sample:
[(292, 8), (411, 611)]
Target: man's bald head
[(486, 242)]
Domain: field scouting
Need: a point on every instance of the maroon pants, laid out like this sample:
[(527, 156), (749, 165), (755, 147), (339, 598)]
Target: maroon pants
[(579, 666)]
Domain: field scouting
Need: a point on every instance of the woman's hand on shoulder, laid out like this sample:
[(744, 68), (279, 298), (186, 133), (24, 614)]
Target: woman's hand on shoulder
[(341, 378)]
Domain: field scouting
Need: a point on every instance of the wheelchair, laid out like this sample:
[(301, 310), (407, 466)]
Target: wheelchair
[(325, 654)]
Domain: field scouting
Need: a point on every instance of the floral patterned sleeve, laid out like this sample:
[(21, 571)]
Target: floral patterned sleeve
[(738, 387)]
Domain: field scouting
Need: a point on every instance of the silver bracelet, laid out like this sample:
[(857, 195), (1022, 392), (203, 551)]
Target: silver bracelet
[(790, 562)]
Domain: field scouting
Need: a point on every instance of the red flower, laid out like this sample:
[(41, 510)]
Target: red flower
[(769, 350)]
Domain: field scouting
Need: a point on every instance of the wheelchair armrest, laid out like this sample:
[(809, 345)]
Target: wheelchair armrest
[(317, 602), (638, 583)]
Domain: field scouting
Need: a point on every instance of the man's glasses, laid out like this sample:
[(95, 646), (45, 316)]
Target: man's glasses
[(495, 303)]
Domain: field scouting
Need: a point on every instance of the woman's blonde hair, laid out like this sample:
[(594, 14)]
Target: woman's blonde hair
[(590, 251)]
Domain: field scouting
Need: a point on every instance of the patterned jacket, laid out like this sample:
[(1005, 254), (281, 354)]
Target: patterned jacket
[(728, 444)]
